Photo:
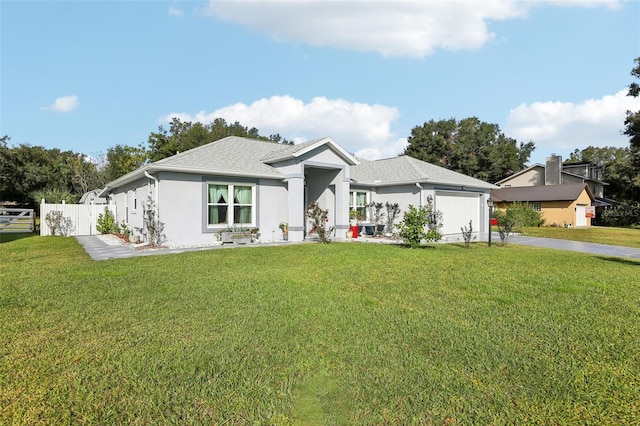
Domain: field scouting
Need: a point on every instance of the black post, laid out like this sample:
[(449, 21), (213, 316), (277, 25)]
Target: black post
[(490, 204)]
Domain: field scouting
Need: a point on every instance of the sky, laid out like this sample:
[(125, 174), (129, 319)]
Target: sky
[(88, 75)]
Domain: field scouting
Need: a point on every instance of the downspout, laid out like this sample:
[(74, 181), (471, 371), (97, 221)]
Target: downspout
[(156, 210), (421, 188)]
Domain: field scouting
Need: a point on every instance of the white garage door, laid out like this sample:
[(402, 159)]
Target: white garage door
[(458, 208)]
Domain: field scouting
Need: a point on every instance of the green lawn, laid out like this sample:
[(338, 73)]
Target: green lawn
[(318, 334), (627, 237)]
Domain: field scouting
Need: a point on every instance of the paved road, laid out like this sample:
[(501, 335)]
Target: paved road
[(99, 250)]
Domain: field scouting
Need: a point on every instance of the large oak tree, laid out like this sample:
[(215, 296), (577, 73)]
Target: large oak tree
[(469, 146)]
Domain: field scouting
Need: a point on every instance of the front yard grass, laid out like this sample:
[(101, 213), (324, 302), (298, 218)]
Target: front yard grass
[(627, 237), (318, 334)]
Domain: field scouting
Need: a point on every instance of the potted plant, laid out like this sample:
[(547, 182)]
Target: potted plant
[(285, 230)]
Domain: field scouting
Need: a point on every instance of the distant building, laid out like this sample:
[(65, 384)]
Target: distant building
[(557, 190)]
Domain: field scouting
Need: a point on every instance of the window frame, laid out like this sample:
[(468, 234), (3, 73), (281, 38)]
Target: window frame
[(231, 205), (537, 206), (353, 200)]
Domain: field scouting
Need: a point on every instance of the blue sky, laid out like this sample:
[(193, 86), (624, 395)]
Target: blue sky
[(87, 75)]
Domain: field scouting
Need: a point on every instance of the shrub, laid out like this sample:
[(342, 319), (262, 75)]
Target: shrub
[(505, 225), (53, 219), (523, 214), (152, 228), (627, 214), (106, 223), (319, 219), (393, 211), (467, 234), (376, 215), (414, 222), (54, 196), (58, 223)]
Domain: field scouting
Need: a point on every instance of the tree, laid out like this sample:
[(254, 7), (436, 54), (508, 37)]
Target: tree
[(632, 125), (184, 135), (123, 159), (617, 170), (469, 146), (26, 172)]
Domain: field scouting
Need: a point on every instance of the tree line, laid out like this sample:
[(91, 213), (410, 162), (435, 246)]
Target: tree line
[(29, 173), (470, 146)]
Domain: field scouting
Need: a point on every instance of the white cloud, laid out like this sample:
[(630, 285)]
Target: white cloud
[(363, 129), (392, 28), (562, 127), (174, 11), (64, 104)]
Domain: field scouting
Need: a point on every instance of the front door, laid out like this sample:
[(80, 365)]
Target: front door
[(581, 215)]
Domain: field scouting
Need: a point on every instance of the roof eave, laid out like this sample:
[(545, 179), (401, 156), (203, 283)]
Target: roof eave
[(154, 168), (428, 182)]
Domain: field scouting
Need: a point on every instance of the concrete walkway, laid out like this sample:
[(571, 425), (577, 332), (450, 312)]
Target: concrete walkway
[(98, 249)]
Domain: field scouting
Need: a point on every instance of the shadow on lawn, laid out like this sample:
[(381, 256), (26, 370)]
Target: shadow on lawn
[(7, 238), (620, 260)]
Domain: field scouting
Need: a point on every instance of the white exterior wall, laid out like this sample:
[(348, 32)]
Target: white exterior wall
[(180, 208), (130, 201), (272, 198), (336, 174), (183, 207), (406, 195)]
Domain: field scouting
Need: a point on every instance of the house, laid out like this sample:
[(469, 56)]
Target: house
[(92, 197), (247, 183), (561, 205), (555, 173)]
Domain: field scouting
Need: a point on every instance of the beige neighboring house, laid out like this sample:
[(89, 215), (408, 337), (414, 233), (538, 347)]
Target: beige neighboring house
[(561, 205), (566, 194)]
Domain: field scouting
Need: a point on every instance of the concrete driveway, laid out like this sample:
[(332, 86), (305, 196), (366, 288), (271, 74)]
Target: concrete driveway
[(593, 248)]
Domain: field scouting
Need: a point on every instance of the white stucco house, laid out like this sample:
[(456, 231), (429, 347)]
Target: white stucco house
[(241, 182)]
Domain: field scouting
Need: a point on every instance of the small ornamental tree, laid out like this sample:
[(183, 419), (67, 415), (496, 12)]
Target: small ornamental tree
[(467, 234), (505, 225), (152, 227), (376, 215), (393, 211), (319, 219), (420, 223), (53, 219)]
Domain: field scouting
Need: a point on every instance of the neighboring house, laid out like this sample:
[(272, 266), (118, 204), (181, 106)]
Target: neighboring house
[(561, 205), (246, 183), (92, 197), (554, 173)]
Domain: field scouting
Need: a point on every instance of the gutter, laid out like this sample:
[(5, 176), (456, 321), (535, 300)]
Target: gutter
[(421, 189), (156, 186)]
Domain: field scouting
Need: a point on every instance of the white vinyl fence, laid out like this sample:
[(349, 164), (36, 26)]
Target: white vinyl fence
[(77, 219)]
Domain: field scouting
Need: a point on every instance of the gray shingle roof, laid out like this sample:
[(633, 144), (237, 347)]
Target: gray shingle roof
[(229, 155), (405, 169), (540, 193), (236, 156)]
